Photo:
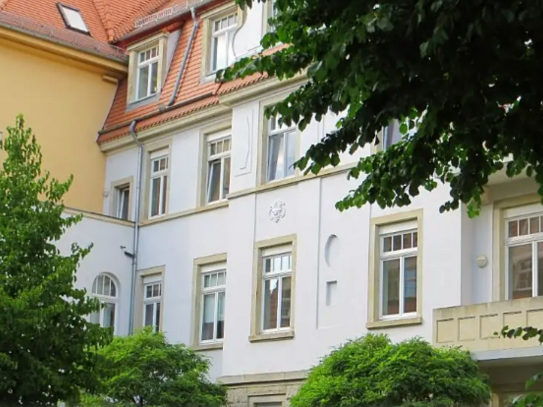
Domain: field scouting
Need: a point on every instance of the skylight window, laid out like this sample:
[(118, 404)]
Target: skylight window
[(72, 18)]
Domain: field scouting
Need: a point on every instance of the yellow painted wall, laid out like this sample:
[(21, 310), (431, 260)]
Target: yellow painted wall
[(65, 103)]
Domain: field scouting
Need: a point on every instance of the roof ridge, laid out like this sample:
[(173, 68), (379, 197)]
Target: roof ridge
[(130, 15), (104, 12)]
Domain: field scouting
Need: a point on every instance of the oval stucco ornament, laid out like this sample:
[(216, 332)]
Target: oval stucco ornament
[(277, 211)]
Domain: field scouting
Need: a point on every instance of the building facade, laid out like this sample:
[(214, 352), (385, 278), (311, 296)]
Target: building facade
[(207, 233)]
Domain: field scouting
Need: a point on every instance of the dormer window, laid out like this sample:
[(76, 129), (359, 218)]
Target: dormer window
[(147, 73), (147, 67), (222, 35), (72, 18)]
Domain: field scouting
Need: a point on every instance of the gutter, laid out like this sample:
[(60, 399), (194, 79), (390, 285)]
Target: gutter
[(135, 242), (158, 112), (195, 24)]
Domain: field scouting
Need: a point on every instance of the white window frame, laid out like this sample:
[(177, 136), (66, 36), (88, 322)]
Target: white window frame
[(280, 275), (401, 255), (518, 214), (142, 64), (122, 200), (163, 175), (229, 33), (275, 130), (155, 300), (221, 157), (107, 299), (216, 291)]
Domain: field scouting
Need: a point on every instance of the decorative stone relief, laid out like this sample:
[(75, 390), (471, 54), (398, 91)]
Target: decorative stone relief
[(277, 211)]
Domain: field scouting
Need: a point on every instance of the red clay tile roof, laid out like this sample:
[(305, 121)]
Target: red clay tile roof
[(110, 20)]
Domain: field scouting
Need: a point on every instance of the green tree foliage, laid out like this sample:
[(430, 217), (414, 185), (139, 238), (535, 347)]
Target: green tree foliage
[(469, 74), (44, 336), (532, 399), (372, 371), (145, 370)]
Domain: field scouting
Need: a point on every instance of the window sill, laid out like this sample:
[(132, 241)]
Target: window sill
[(134, 104), (208, 77), (392, 323), (272, 336), (207, 346)]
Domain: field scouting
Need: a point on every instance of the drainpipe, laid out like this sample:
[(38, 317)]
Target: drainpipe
[(195, 24), (135, 243)]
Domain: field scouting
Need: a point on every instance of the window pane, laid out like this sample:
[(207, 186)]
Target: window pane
[(221, 279), (143, 82), (523, 227), (387, 244), (156, 290), (276, 158), (520, 271), (213, 182), (285, 303), (219, 52), (107, 286), (392, 134), (230, 48), (164, 163), (540, 269), (149, 291), (410, 285), (407, 240), (124, 199), (226, 178), (534, 225), (155, 194), (277, 263), (220, 316), (100, 285), (513, 228), (208, 317), (164, 189), (267, 265), (113, 290), (391, 287), (415, 239), (291, 153), (94, 318), (109, 315), (157, 316), (148, 317), (397, 242), (271, 293), (154, 78)]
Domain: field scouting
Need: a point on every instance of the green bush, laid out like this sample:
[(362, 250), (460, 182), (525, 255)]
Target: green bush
[(373, 371), (145, 370)]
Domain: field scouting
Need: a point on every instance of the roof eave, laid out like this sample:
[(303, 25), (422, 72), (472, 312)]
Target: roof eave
[(64, 48)]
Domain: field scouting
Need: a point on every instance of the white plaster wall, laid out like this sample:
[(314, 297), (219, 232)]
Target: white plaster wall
[(120, 165), (247, 38), (106, 256), (184, 170), (175, 244)]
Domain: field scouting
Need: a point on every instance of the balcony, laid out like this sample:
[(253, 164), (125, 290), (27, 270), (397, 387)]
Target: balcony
[(473, 326)]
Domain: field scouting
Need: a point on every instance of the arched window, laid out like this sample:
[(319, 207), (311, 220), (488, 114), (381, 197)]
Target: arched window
[(105, 289)]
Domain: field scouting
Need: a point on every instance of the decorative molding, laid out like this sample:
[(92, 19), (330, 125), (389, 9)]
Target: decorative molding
[(277, 211)]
